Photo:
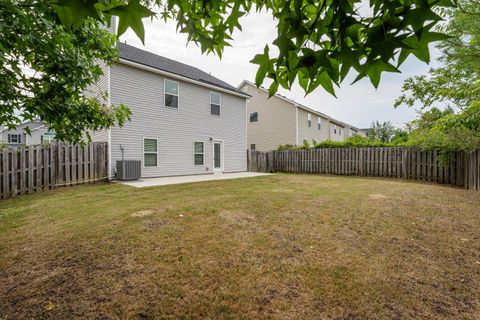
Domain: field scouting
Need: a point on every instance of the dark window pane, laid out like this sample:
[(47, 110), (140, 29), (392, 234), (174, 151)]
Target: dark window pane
[(150, 145), (216, 155), (150, 159), (215, 109), (198, 159), (254, 117), (171, 101), (252, 146), (309, 123)]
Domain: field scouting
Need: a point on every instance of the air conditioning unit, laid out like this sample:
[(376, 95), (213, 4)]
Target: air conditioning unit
[(129, 169)]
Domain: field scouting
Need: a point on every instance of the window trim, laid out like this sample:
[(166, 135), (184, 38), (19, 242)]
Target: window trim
[(319, 123), (309, 120), (143, 153), (219, 105), (18, 137), (195, 153), (165, 93), (250, 116), (50, 139)]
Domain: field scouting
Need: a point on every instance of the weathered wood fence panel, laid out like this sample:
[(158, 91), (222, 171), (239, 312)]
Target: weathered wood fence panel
[(42, 167), (408, 163)]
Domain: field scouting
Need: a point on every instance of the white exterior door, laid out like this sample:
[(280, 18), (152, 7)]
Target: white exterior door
[(217, 157)]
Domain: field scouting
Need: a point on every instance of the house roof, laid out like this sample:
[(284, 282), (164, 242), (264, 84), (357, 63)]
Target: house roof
[(152, 60), (296, 104), (39, 124)]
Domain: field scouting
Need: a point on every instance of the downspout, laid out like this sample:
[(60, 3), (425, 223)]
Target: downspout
[(296, 125)]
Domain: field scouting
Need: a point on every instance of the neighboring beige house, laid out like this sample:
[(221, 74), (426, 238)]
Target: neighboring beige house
[(279, 120)]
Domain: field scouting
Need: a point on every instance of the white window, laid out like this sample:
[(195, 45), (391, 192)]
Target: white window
[(309, 117), (47, 138), (335, 129), (14, 138), (340, 131), (171, 93), (150, 152), (319, 123), (199, 153), (215, 99)]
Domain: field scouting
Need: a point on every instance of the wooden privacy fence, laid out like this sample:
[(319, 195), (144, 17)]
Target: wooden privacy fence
[(462, 170), (41, 167)]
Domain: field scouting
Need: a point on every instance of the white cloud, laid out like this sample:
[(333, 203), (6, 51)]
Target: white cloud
[(358, 104)]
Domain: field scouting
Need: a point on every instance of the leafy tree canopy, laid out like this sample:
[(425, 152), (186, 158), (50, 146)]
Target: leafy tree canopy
[(319, 41), (381, 131), (450, 95), (46, 69)]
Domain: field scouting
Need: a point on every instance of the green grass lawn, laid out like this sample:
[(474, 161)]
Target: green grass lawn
[(280, 247)]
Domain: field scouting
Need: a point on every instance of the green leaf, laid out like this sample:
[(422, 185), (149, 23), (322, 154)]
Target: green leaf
[(130, 16), (263, 61), (74, 12), (375, 68), (273, 89)]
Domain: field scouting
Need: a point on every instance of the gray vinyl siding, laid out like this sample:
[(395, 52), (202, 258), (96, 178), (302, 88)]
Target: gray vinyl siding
[(175, 129), (311, 133), (100, 91), (276, 120)]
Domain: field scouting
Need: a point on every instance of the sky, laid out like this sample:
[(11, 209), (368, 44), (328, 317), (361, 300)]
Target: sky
[(357, 104)]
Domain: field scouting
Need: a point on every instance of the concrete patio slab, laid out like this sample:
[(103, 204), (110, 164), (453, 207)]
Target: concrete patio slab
[(163, 181)]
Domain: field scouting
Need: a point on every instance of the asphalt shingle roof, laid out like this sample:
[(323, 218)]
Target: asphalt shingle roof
[(149, 59)]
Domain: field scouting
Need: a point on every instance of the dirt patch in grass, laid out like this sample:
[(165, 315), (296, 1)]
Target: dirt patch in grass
[(276, 247), (143, 213), (236, 217), (377, 196)]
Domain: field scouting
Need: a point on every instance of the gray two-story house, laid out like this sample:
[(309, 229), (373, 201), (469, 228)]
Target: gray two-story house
[(184, 120)]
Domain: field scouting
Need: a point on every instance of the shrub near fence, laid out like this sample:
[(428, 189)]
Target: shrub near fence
[(462, 170), (40, 167)]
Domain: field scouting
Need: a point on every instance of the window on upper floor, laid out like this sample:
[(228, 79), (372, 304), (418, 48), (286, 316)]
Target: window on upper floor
[(252, 146), (319, 123), (14, 138), (254, 117), (215, 101), (171, 93), (150, 152), (309, 120), (339, 131), (335, 129), (199, 153)]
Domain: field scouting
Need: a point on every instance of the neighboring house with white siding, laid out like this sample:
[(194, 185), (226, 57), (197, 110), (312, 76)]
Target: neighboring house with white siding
[(19, 136), (184, 121), (278, 121)]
